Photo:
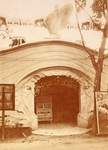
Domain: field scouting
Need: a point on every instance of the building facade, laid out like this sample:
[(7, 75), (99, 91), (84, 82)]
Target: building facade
[(13, 21), (51, 69)]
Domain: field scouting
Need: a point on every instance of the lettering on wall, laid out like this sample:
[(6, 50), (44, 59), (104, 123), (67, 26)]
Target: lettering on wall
[(49, 84)]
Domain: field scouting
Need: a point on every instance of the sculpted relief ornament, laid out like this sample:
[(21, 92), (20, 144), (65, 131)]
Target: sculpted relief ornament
[(86, 99), (24, 101), (24, 110)]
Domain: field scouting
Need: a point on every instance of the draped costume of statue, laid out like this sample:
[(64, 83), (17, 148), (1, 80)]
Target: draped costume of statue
[(58, 19)]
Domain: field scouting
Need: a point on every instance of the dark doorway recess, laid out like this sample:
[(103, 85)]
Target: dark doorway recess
[(64, 92)]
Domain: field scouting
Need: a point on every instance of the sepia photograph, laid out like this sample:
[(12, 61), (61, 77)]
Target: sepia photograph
[(102, 112), (53, 74)]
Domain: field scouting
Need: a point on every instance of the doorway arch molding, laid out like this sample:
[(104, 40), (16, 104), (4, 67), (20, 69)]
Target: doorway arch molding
[(83, 79), (85, 96)]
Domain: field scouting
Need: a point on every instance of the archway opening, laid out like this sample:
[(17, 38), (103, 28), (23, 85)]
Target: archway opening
[(57, 99)]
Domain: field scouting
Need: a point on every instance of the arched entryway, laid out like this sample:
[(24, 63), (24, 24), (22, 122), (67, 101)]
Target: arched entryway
[(64, 95), (65, 87), (35, 61)]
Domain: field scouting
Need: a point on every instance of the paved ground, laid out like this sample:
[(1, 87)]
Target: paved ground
[(44, 142), (59, 129), (79, 141)]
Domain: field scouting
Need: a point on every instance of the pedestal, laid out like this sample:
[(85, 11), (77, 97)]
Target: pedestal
[(84, 120)]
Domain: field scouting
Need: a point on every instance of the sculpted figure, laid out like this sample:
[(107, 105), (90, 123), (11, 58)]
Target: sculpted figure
[(58, 19)]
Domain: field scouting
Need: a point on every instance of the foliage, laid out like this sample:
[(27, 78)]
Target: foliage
[(82, 4), (2, 21), (99, 8)]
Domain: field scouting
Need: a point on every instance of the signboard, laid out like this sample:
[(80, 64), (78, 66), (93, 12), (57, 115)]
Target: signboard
[(102, 112), (7, 101), (43, 108), (7, 96)]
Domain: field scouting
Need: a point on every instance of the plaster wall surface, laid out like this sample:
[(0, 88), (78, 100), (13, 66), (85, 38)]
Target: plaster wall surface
[(26, 64)]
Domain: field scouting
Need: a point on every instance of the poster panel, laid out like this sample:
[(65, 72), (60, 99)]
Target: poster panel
[(7, 96), (0, 97), (102, 112)]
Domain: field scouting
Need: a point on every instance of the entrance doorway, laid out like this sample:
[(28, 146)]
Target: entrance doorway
[(57, 99)]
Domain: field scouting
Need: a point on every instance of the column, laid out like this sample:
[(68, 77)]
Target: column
[(86, 107)]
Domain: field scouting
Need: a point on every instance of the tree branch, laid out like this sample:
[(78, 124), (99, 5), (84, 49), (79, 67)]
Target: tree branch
[(94, 63), (81, 32), (92, 57), (90, 17), (104, 11), (6, 33)]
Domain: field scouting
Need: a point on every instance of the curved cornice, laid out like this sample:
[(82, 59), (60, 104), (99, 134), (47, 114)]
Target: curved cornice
[(46, 42)]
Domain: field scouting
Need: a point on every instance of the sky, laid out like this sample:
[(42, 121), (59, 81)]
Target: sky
[(34, 8), (29, 8)]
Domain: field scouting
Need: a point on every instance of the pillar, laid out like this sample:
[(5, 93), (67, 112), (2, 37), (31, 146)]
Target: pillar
[(84, 117)]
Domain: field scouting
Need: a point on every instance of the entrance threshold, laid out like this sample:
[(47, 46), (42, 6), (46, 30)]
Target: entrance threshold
[(59, 129)]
